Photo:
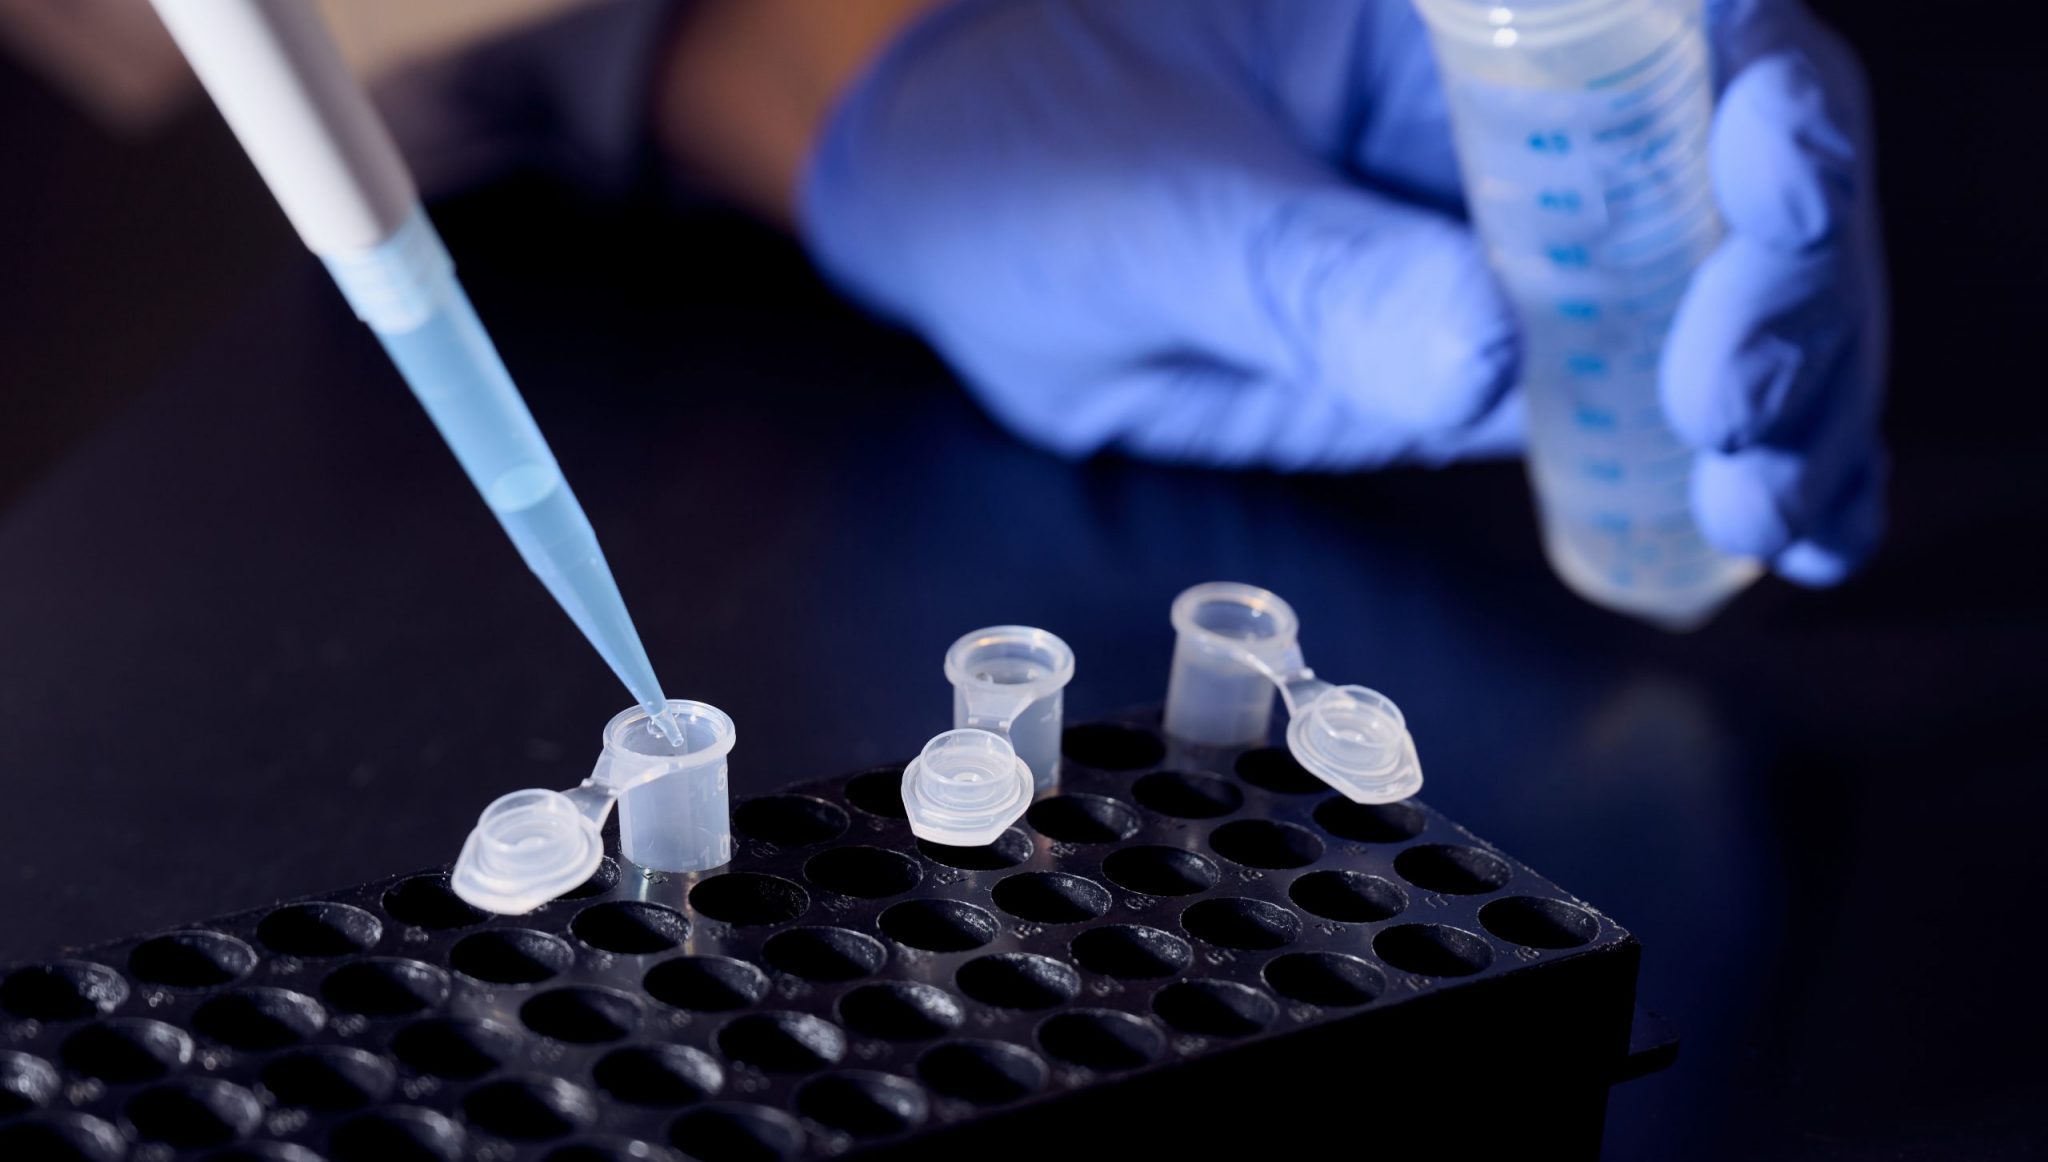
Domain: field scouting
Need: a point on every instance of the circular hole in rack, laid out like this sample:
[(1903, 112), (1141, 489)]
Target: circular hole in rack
[(398, 1134), (705, 984), (603, 880), (939, 925), (1535, 922), (453, 1048), (1263, 843), (789, 820), (1160, 871), (1009, 849), (66, 1137), (259, 1019), (1329, 979), (1051, 897), (1271, 768), (127, 1050), (1371, 822), (659, 1075), (1131, 952), (1101, 1039), (1188, 795), (529, 1108), (1018, 980), (828, 955), (1348, 896), (1432, 950), (1242, 923), (319, 929), (193, 959), (582, 1016), (194, 1113), (1214, 1008), (1452, 869), (783, 1042), (744, 899), (385, 986), (878, 792), (264, 1152), (1076, 818), (511, 956), (1109, 747), (869, 873), (900, 1011), (26, 1083), (982, 1072), (630, 927), (329, 1079), (864, 1104), (67, 990), (731, 1132), (428, 902)]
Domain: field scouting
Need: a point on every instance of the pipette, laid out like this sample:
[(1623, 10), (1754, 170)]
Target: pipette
[(311, 132)]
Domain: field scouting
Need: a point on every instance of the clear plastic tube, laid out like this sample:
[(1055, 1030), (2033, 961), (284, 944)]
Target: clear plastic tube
[(1011, 680), (1581, 126)]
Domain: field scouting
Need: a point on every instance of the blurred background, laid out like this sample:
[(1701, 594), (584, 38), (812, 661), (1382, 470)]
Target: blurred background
[(232, 669)]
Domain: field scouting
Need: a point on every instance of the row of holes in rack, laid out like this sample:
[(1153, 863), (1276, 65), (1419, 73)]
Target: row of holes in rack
[(327, 1079)]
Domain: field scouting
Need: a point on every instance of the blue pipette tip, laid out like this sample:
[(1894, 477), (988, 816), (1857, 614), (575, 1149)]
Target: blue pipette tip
[(663, 719)]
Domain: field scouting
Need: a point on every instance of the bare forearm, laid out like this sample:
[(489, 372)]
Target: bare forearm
[(745, 87)]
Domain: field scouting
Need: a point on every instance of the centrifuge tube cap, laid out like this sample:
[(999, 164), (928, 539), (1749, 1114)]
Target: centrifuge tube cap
[(1356, 740), (965, 788), (528, 848)]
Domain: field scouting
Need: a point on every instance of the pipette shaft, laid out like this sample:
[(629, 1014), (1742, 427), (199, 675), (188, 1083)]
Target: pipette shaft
[(311, 132)]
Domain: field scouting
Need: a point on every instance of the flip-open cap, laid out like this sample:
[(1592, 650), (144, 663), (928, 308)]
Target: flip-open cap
[(965, 788), (1356, 740)]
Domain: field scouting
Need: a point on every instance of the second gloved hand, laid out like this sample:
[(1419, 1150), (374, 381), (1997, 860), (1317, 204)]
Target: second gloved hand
[(1230, 232), (1216, 231)]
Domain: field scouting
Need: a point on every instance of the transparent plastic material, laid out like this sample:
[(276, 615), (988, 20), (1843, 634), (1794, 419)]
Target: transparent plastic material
[(1011, 680), (406, 290), (1581, 126), (1236, 646), (675, 816), (1216, 694), (965, 788), (530, 846)]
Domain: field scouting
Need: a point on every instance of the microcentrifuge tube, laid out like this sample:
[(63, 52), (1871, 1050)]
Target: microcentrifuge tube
[(1234, 646), (530, 846), (965, 788), (1011, 680)]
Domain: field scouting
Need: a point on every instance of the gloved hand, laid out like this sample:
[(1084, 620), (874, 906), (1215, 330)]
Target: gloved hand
[(1228, 232)]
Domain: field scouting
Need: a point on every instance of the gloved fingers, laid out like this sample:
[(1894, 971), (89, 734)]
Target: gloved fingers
[(1761, 339), (1261, 269), (1845, 537), (1191, 410), (1770, 316), (1382, 304), (1785, 150), (1759, 501)]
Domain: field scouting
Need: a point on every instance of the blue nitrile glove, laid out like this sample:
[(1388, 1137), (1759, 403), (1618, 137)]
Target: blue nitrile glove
[(1227, 232)]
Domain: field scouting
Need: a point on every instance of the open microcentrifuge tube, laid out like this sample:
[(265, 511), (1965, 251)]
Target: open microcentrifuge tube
[(1010, 680), (1234, 646), (530, 846), (965, 788)]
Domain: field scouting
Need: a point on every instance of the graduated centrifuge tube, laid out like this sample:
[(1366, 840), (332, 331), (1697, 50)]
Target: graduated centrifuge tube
[(1011, 680), (1235, 646), (531, 846), (1581, 128)]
